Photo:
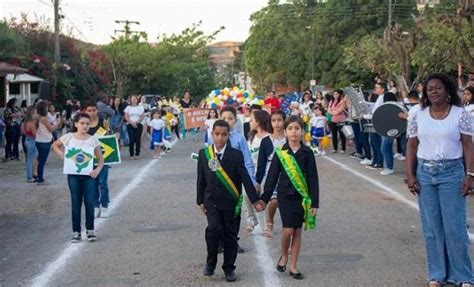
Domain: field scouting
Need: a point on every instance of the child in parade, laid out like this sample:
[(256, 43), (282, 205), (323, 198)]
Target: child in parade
[(260, 130), (99, 127), (82, 187), (276, 140), (293, 168), (212, 117), (220, 175), (318, 128), (237, 141), (157, 126)]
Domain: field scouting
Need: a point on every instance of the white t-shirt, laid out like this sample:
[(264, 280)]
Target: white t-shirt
[(134, 113), (439, 139), (318, 122), (254, 147), (305, 108), (209, 123), (157, 124), (70, 141)]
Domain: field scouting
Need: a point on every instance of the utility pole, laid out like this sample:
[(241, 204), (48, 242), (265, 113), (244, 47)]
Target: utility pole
[(127, 31), (57, 52), (390, 12)]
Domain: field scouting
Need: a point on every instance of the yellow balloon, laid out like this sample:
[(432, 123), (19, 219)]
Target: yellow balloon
[(306, 118), (307, 137), (216, 100), (261, 102), (226, 91)]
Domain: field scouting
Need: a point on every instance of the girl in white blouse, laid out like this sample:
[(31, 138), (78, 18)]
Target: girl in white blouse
[(440, 140)]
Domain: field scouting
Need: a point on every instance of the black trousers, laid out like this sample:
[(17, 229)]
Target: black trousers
[(12, 135), (221, 225), (335, 130), (135, 136)]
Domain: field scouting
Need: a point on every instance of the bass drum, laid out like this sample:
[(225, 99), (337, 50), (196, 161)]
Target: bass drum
[(386, 121)]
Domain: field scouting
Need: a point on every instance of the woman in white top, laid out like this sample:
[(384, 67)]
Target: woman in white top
[(439, 138), (81, 187), (134, 115), (212, 117), (306, 104), (44, 138), (147, 119)]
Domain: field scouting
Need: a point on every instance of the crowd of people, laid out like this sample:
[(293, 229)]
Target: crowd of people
[(271, 153)]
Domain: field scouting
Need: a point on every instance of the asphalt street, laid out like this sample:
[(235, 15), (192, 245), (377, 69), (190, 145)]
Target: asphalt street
[(368, 233)]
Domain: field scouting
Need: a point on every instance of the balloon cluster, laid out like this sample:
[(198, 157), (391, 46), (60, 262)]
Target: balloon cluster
[(232, 97)]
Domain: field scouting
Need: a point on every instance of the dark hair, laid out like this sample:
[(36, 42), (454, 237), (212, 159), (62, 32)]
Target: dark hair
[(163, 112), (328, 97), (278, 112), (90, 104), (470, 90), (449, 86), (23, 104), (11, 103), (292, 119), (307, 93), (221, 123), (42, 108), (413, 95), (255, 107), (319, 107), (209, 114), (383, 85), (341, 96), (263, 119), (229, 109), (77, 118), (389, 97)]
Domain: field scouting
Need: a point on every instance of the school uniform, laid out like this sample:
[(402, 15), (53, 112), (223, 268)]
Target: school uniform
[(220, 205), (289, 200)]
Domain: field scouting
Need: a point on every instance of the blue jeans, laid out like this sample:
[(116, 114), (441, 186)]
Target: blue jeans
[(30, 144), (82, 187), (102, 190), (43, 153), (443, 218), (387, 151), (12, 134), (376, 143), (124, 135)]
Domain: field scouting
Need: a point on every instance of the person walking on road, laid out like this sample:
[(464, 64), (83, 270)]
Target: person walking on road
[(439, 139), (134, 115), (220, 175), (81, 187), (293, 168), (13, 117)]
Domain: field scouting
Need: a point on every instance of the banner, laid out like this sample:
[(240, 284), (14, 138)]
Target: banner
[(110, 149), (195, 118), (78, 160)]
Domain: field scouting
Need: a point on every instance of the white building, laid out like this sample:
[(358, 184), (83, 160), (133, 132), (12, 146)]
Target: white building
[(23, 87)]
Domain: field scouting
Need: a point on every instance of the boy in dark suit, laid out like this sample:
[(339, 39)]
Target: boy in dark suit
[(221, 173)]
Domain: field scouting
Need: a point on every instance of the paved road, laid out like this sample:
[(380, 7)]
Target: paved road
[(368, 234)]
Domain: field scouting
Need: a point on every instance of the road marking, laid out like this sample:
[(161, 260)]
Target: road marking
[(395, 194), (55, 266), (264, 258)]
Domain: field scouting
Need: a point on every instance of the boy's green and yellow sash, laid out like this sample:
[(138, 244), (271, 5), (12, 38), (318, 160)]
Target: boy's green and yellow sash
[(299, 182), (223, 177)]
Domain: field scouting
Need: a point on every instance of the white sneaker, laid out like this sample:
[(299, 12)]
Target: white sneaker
[(366, 162), (386, 171), (466, 285), (401, 157), (323, 152), (104, 212), (397, 155), (97, 212), (91, 236)]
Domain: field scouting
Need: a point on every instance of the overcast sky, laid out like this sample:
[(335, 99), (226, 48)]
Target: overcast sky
[(96, 19)]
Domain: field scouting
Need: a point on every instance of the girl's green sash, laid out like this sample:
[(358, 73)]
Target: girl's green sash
[(299, 182), (223, 177)]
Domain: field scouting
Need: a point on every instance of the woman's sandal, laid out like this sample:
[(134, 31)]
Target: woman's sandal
[(281, 268), (297, 275), (268, 230), (249, 227)]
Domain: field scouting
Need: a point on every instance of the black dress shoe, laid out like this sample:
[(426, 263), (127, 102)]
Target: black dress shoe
[(230, 276), (281, 268), (208, 270), (296, 275), (240, 249)]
